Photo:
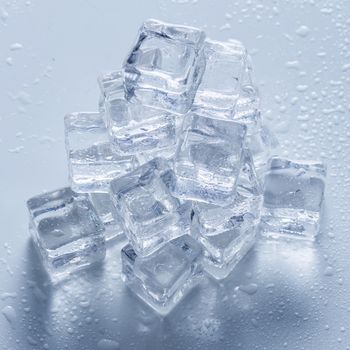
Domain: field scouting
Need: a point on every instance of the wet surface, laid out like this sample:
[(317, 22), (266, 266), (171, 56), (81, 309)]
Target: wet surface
[(283, 295)]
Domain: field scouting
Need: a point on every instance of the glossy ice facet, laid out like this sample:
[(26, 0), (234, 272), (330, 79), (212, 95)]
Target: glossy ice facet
[(151, 215), (109, 83), (208, 160), (66, 231), (93, 162), (165, 66), (261, 142), (106, 211), (247, 107), (134, 128), (138, 129), (293, 197), (221, 82), (228, 233), (163, 278)]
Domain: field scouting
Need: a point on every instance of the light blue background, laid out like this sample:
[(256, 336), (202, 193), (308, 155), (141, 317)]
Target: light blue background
[(302, 292)]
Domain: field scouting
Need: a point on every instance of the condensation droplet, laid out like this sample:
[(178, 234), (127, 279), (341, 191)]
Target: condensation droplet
[(108, 344), (10, 315), (16, 47), (250, 288), (303, 31)]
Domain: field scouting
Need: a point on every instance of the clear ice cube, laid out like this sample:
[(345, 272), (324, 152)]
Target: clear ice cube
[(165, 66), (151, 215), (67, 232), (138, 129), (247, 107), (105, 209), (293, 197), (92, 160), (208, 160), (228, 233), (220, 86), (134, 128), (163, 278), (109, 83), (261, 142)]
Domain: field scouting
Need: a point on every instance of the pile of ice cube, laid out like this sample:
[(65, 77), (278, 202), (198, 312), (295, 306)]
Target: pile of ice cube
[(178, 160)]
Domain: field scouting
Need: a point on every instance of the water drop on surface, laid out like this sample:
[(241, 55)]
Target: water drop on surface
[(250, 289), (9, 61), (292, 64), (10, 315), (302, 88), (303, 31), (6, 295), (31, 340), (108, 344), (16, 46), (329, 271), (3, 14)]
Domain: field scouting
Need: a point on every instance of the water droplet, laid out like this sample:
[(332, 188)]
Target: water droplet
[(302, 88), (226, 26), (3, 14), (9, 61), (15, 149), (331, 234), (7, 295), (108, 344), (329, 271), (292, 64), (24, 98), (303, 31), (31, 340), (10, 315), (250, 289), (16, 47), (345, 67), (326, 10)]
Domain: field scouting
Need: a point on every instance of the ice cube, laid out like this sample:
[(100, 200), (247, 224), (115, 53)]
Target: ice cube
[(221, 83), (208, 160), (228, 233), (93, 162), (66, 231), (165, 66), (163, 278), (134, 128), (138, 129), (261, 142), (105, 209), (109, 83), (293, 197), (247, 107), (151, 215)]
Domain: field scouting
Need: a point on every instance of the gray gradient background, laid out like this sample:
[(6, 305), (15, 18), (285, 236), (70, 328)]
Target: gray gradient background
[(301, 298)]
